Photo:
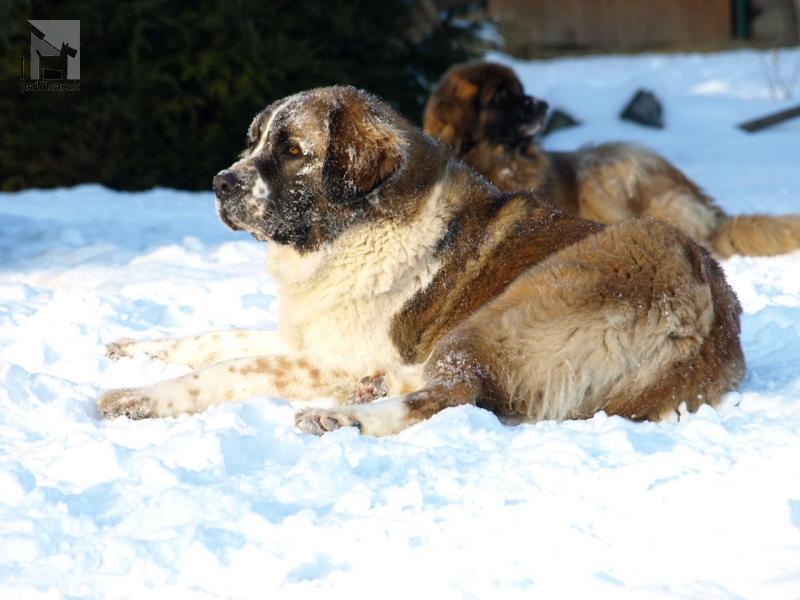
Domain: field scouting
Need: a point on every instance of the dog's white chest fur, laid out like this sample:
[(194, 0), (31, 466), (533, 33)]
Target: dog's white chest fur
[(337, 304)]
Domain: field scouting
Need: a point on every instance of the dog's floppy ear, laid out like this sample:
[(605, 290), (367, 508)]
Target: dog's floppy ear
[(364, 150), (451, 113)]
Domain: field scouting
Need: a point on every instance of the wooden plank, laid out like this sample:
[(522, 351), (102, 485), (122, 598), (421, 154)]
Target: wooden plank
[(770, 119), (612, 23)]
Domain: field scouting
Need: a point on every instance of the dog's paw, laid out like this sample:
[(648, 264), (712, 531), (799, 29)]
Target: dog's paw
[(369, 388), (131, 402), (119, 349), (319, 421), (126, 348)]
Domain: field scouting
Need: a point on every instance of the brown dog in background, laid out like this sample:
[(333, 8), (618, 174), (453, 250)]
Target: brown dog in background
[(397, 262), (481, 110)]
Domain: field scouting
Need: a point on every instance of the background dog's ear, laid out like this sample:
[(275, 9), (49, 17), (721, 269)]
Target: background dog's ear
[(451, 113), (364, 150)]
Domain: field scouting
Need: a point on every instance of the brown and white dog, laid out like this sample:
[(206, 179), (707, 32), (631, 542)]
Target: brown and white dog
[(481, 110), (402, 272)]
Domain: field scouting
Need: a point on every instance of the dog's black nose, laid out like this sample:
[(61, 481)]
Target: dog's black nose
[(535, 105), (225, 182)]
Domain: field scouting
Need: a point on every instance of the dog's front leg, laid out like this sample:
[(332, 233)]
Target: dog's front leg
[(199, 350), (287, 376)]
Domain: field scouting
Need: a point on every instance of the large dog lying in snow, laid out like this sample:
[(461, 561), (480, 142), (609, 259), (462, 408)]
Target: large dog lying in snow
[(481, 111), (403, 272)]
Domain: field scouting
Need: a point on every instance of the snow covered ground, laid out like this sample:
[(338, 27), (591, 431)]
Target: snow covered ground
[(235, 503)]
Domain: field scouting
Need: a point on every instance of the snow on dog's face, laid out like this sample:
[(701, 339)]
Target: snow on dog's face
[(314, 165)]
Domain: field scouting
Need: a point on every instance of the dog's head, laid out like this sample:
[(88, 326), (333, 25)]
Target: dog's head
[(483, 102), (315, 164)]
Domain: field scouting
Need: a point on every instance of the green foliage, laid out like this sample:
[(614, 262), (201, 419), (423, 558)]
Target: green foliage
[(167, 89)]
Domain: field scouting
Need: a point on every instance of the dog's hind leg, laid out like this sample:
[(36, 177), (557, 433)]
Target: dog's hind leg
[(454, 376), (386, 417), (205, 349), (293, 377)]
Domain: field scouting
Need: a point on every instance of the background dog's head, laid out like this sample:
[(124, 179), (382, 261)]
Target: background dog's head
[(483, 102), (315, 164)]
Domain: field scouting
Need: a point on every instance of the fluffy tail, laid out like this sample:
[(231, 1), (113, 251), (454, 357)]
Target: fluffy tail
[(757, 235)]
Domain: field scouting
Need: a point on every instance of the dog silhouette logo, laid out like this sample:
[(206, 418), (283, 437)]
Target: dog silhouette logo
[(54, 51)]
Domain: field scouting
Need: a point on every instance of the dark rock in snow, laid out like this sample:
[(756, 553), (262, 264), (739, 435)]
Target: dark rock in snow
[(645, 109)]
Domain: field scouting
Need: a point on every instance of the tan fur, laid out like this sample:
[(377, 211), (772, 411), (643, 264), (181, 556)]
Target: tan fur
[(606, 183), (757, 235), (590, 337), (441, 290), (201, 350)]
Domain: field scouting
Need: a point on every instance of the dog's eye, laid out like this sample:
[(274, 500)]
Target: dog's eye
[(294, 150), (500, 96)]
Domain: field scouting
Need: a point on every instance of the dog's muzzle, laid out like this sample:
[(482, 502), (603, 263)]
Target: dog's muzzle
[(227, 187), (531, 117), (533, 109)]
